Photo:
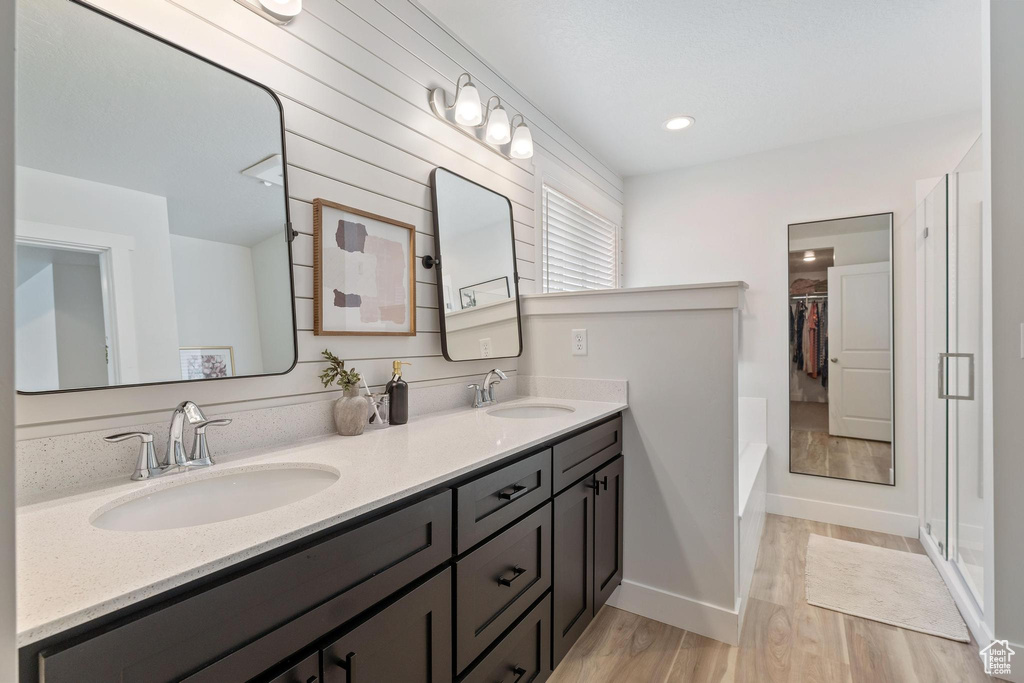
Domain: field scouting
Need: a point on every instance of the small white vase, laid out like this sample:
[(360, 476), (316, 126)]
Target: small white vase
[(351, 413)]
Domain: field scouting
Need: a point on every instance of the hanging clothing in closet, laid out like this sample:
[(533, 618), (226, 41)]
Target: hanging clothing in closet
[(808, 336)]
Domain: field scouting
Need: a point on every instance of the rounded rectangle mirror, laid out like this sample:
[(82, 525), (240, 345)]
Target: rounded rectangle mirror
[(153, 242), (475, 266)]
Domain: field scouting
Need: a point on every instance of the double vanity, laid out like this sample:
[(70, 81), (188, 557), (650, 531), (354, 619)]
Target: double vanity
[(470, 545)]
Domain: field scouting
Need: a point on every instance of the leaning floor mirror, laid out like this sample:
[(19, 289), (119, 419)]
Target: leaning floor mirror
[(840, 361), (152, 238)]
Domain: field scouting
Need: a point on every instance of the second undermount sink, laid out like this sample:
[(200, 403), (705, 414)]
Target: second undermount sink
[(216, 498), (531, 411)]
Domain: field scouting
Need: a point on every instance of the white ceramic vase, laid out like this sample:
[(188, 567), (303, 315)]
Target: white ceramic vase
[(351, 413)]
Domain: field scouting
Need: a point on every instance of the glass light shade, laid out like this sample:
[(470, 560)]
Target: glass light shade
[(522, 143), (498, 130), (282, 10), (467, 106)]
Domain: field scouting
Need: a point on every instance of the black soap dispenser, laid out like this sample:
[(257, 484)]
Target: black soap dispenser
[(398, 396)]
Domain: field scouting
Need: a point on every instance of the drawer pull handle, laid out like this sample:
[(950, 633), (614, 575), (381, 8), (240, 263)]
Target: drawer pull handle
[(518, 490), (516, 573), (598, 484), (519, 673), (346, 665)]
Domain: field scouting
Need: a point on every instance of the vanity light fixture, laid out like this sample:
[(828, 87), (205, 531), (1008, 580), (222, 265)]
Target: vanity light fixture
[(522, 140), (488, 124), (278, 11), (809, 256), (678, 123), (499, 132)]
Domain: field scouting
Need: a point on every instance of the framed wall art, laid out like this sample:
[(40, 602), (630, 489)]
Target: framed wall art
[(364, 274), (207, 362)]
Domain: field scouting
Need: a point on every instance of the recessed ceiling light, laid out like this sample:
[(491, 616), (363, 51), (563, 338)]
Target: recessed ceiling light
[(809, 256), (678, 123)]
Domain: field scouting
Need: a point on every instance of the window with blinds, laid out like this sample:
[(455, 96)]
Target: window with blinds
[(580, 248)]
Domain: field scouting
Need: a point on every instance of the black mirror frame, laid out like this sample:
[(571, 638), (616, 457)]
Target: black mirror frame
[(435, 260), (289, 233)]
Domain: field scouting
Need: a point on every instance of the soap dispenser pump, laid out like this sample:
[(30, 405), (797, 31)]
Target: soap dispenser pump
[(398, 395)]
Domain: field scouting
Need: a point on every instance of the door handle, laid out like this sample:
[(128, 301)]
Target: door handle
[(518, 490), (346, 666), (516, 573), (834, 360), (598, 484), (970, 377), (519, 672)]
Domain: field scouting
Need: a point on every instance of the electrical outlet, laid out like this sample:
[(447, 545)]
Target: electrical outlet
[(485, 348), (579, 342)]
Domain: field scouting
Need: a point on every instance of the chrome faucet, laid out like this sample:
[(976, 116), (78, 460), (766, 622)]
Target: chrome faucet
[(484, 395), (175, 460)]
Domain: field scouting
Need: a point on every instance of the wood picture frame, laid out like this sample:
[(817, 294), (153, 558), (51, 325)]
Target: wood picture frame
[(326, 324)]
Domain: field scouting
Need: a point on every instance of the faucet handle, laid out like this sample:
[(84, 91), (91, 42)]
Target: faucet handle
[(146, 466), (200, 456), (478, 396)]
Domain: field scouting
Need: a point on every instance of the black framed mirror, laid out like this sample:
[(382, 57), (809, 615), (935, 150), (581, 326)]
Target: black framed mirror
[(475, 266), (153, 242), (841, 321)]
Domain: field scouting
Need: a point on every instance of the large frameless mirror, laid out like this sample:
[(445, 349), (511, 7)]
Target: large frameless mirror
[(477, 282), (152, 236), (840, 349)]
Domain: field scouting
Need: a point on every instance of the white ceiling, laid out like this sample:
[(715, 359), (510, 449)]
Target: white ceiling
[(755, 75), (99, 101)]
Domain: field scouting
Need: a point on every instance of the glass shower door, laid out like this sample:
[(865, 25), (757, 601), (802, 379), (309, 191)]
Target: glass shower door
[(932, 219), (962, 368)]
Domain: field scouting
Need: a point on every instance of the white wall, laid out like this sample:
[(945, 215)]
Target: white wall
[(354, 78), (680, 440), (8, 651), (55, 199), (1005, 158), (215, 295), (273, 304), (35, 322), (728, 220)]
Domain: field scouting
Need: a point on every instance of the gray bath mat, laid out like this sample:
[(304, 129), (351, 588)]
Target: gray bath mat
[(893, 587)]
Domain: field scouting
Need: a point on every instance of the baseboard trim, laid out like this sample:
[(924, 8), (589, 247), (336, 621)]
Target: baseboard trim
[(676, 610), (846, 515)]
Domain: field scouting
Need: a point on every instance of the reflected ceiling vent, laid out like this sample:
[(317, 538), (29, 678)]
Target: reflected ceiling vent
[(270, 171)]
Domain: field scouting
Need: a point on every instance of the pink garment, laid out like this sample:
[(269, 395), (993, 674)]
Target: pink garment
[(811, 353)]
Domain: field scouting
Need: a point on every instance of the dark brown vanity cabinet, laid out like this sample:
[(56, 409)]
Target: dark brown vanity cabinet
[(491, 576), (588, 561), (407, 641)]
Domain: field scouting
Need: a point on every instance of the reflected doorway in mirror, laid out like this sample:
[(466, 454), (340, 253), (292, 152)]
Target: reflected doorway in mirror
[(363, 273)]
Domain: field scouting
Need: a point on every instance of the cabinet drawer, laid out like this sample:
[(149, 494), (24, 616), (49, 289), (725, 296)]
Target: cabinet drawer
[(407, 641), (263, 616), (584, 453), (306, 671), (523, 656), (497, 499), (495, 583)]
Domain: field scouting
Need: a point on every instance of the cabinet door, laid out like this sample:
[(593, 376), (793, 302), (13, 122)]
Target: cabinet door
[(408, 641), (607, 531), (573, 590)]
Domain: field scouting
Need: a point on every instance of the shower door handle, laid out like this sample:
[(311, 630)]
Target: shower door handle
[(943, 357)]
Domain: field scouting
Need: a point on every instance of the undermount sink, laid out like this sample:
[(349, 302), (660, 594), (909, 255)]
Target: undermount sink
[(531, 411), (216, 498)]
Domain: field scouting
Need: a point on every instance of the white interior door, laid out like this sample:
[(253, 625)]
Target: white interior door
[(860, 352)]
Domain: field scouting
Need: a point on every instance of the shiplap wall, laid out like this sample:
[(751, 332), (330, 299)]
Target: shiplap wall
[(353, 77)]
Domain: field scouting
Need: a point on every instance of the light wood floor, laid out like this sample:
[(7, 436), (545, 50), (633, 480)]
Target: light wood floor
[(783, 638), (814, 451)]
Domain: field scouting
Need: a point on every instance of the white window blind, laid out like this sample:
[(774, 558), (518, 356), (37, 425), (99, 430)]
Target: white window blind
[(580, 248)]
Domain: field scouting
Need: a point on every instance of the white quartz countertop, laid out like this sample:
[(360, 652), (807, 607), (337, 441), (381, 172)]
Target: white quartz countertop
[(70, 572)]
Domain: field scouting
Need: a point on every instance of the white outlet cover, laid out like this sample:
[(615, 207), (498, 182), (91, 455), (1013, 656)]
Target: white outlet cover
[(579, 343), (485, 347)]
